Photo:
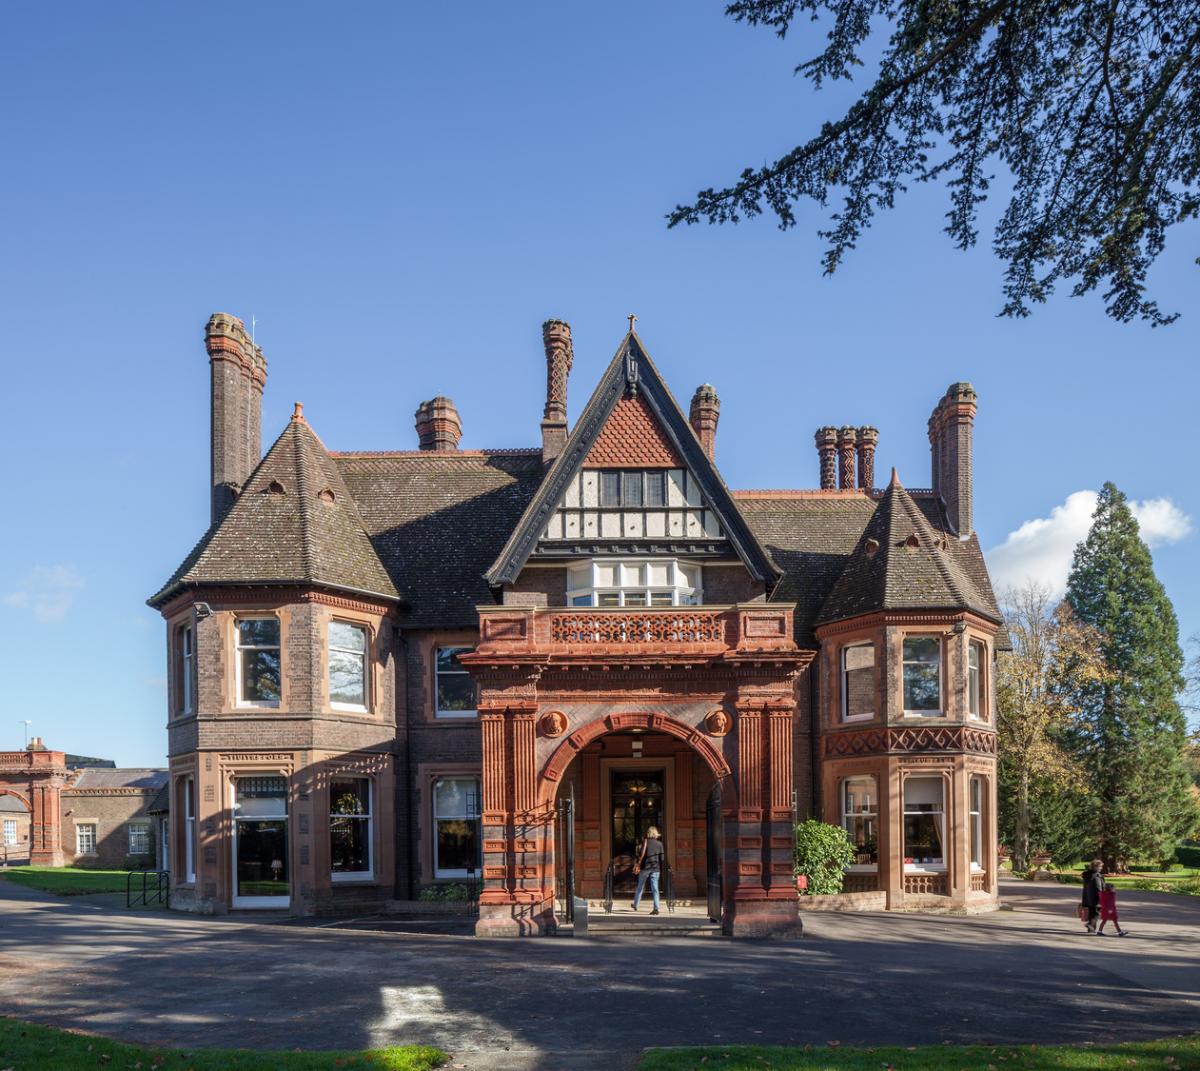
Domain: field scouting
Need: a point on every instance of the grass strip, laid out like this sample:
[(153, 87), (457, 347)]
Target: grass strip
[(67, 880), (1164, 1054), (27, 1047)]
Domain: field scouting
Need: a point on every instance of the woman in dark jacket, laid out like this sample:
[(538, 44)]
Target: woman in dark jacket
[(1093, 886)]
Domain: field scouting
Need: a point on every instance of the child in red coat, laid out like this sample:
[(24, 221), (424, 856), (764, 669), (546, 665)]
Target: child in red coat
[(1108, 911)]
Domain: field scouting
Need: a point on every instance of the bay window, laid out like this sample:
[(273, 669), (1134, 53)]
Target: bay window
[(350, 842), (858, 681), (860, 815), (258, 663), (347, 666), (924, 822), (454, 690), (456, 822), (634, 583), (922, 675)]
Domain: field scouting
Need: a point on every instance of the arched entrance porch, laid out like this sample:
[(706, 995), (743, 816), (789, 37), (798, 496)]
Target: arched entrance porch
[(15, 828)]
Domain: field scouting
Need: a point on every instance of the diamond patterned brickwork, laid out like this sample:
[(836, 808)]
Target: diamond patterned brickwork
[(633, 438), (933, 738)]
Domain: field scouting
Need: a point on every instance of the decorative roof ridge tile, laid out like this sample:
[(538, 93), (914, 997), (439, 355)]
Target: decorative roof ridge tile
[(810, 492), (504, 451)]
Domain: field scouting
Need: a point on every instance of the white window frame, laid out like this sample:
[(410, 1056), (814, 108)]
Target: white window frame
[(238, 648), (365, 707), (187, 662), (189, 830), (904, 663), (975, 820), (369, 817), (862, 868), (10, 832), (846, 716), (679, 590), (139, 829), (79, 838), (915, 867), (477, 817), (437, 711), (976, 687), (284, 815)]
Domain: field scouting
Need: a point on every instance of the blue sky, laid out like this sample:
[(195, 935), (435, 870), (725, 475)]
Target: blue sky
[(400, 194)]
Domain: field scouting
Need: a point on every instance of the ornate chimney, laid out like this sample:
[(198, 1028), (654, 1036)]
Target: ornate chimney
[(239, 373), (847, 440), (868, 439), (827, 450), (560, 354), (705, 412), (950, 433), (438, 426)]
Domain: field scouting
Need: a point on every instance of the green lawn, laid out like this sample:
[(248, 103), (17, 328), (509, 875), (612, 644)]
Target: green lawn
[(1168, 1054), (25, 1047), (66, 880)]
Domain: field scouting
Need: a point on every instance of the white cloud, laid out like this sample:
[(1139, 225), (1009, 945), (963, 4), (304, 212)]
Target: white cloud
[(1041, 549), (47, 592)]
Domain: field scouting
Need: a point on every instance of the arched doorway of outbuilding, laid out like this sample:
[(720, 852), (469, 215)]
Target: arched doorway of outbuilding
[(612, 780), (15, 828)]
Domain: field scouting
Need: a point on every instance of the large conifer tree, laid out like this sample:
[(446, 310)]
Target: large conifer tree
[(1132, 733)]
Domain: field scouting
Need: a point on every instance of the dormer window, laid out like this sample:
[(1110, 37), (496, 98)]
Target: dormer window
[(664, 582)]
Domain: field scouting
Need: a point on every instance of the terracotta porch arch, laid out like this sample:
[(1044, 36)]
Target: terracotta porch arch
[(654, 721), (17, 795)]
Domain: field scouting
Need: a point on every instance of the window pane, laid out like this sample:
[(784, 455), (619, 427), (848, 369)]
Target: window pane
[(610, 489), (456, 798), (922, 838), (660, 598), (346, 679), (259, 632), (349, 845), (260, 796), (635, 598), (631, 489), (973, 656), (922, 649), (349, 637), (260, 676), (581, 600), (858, 679), (923, 794), (656, 488), (447, 659), (609, 598), (458, 845), (350, 796), (455, 691), (922, 673)]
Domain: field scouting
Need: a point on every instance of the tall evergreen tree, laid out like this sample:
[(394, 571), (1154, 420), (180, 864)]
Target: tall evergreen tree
[(1132, 733)]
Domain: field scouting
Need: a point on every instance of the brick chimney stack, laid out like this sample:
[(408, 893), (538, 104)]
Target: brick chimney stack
[(950, 434), (868, 439), (438, 426), (847, 441), (239, 373), (827, 450), (560, 354), (705, 412)]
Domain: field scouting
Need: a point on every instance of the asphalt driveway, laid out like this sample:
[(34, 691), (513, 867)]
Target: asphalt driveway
[(1025, 975)]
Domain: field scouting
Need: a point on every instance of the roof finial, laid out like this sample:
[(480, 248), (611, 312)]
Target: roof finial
[(632, 320), (298, 412), (895, 478)]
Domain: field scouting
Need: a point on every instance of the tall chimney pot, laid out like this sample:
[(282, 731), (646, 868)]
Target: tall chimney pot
[(826, 439), (704, 415), (438, 426), (560, 355), (238, 375), (868, 439), (951, 429), (847, 440)]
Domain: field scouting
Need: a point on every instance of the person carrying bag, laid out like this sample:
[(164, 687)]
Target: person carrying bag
[(648, 867)]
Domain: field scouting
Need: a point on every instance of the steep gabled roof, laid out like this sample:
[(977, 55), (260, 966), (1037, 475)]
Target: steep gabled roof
[(295, 522), (901, 562), (630, 372)]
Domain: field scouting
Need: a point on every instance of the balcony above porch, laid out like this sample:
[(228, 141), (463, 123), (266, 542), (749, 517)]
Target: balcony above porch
[(677, 634)]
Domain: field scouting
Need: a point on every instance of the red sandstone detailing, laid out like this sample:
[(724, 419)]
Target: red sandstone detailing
[(632, 438), (780, 722), (524, 788), (827, 451), (705, 413), (506, 451), (749, 736), (573, 629), (952, 738)]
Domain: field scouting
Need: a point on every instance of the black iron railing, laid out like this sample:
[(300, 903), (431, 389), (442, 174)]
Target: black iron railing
[(146, 887)]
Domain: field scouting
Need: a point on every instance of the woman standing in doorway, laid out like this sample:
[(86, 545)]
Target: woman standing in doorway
[(648, 867)]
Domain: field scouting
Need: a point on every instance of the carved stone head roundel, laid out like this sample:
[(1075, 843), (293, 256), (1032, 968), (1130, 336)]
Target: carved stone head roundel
[(717, 723), (554, 723)]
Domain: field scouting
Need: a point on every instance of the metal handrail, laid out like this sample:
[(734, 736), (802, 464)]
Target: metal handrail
[(156, 892)]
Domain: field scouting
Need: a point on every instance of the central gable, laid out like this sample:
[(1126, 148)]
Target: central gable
[(632, 479)]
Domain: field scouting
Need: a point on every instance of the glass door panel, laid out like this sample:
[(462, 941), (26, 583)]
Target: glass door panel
[(260, 842)]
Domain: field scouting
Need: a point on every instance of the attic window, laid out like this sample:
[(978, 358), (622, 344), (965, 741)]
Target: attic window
[(912, 542), (871, 547), (326, 496), (275, 488)]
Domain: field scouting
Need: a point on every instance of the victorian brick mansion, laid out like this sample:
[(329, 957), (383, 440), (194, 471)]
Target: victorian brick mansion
[(391, 671)]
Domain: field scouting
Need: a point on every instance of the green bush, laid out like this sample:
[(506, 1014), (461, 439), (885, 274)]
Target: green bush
[(456, 892), (823, 852)]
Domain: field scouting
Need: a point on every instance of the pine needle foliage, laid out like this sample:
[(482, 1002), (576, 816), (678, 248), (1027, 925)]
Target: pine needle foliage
[(1092, 107), (1131, 735)]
